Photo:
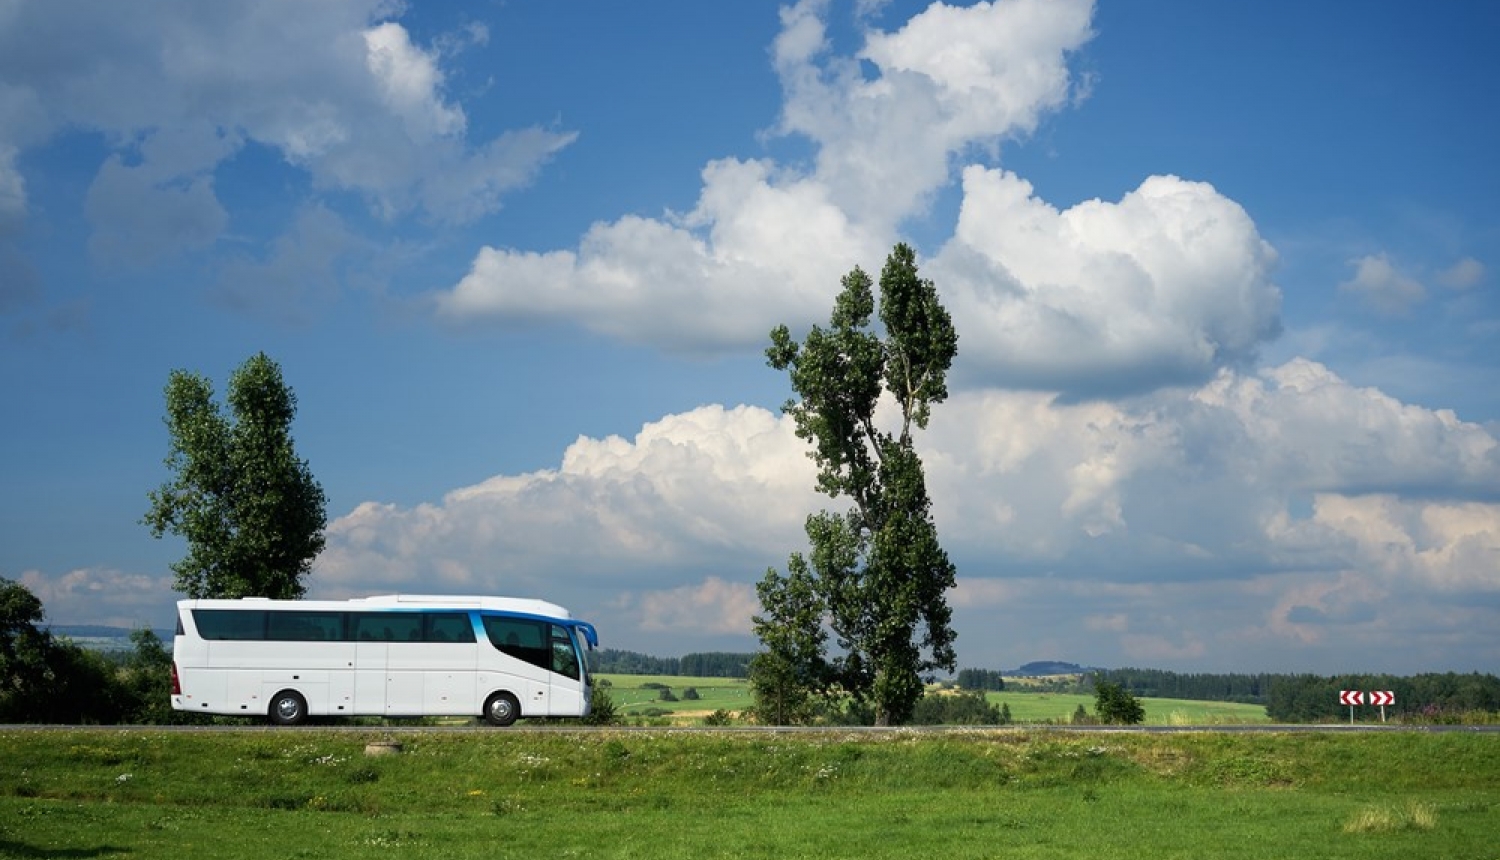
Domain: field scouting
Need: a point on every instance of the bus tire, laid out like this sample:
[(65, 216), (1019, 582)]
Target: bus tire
[(501, 709), (288, 708)]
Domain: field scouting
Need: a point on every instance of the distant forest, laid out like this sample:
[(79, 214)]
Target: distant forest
[(1287, 698), (1315, 698), (712, 664)]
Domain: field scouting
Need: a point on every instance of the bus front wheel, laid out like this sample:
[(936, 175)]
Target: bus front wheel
[(288, 708), (502, 709)]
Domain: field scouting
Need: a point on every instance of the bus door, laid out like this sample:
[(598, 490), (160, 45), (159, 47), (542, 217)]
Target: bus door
[(567, 672)]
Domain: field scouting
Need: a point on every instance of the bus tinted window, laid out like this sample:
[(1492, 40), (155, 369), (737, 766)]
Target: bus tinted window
[(305, 626), (449, 627), (520, 638), (230, 624), (387, 626)]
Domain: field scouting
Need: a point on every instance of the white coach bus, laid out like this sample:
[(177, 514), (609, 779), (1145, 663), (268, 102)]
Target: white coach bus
[(501, 658)]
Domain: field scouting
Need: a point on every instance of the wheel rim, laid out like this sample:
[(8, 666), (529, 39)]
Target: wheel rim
[(288, 708), (501, 709)]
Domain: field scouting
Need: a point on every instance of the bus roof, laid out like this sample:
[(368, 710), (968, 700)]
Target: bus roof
[(524, 605)]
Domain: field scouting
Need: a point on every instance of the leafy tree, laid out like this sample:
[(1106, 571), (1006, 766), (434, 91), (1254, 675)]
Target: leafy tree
[(146, 677), (877, 568), (1115, 705), (788, 676), (25, 670), (250, 510)]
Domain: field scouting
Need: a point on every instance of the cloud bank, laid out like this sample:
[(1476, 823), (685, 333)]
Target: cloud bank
[(1289, 487)]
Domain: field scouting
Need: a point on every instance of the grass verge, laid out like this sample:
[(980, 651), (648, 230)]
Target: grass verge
[(1017, 794)]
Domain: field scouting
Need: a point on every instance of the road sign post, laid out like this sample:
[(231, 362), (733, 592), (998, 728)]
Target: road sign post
[(1351, 698), (1382, 698)]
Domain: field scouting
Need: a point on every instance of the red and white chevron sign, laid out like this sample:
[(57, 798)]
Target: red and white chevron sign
[(1382, 698), (1354, 697)]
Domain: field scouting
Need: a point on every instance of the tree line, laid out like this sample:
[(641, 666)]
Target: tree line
[(1306, 698), (981, 679), (1430, 697), (708, 664), (1249, 689)]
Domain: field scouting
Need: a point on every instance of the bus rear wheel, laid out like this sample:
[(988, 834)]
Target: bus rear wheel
[(501, 709), (288, 708)]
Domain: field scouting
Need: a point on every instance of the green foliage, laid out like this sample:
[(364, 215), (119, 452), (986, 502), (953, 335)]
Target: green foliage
[(46, 679), (620, 662), (146, 679), (1213, 687), (877, 569), (602, 709), (250, 510), (25, 671), (711, 664), (967, 708), (790, 675), (1114, 705), (981, 679), (714, 664)]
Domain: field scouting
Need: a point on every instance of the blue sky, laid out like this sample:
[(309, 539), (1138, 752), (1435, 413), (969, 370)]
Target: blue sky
[(1224, 279)]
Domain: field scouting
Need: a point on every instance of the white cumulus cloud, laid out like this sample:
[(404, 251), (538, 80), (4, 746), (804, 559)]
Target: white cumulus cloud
[(1165, 286), (767, 243), (702, 490)]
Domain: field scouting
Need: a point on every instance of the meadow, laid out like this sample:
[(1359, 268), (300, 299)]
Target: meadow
[(664, 794), (637, 696)]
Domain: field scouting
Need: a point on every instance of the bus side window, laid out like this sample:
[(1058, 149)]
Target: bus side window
[(299, 626), (230, 623), (449, 627), (520, 638), (366, 627)]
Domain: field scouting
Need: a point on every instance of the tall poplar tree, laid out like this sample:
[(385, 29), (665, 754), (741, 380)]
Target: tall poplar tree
[(249, 508), (877, 567)]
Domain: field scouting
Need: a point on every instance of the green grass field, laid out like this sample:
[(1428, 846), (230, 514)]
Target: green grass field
[(1017, 793), (633, 697)]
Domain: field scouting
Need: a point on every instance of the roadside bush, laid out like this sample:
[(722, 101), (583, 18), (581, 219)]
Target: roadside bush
[(602, 709), (1116, 706), (969, 708)]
